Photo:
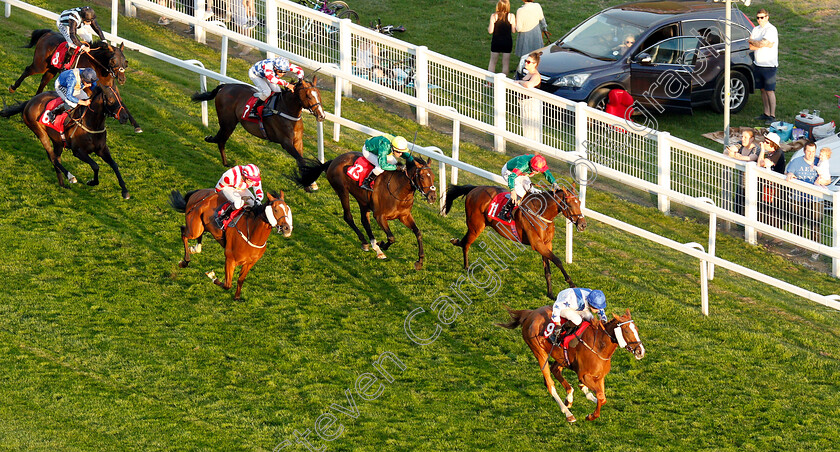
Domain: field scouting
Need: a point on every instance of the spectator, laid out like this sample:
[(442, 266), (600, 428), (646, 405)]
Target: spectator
[(764, 40), (531, 107), (367, 60), (502, 26), (530, 24), (532, 77), (806, 209), (629, 40), (823, 174), (773, 159), (747, 151)]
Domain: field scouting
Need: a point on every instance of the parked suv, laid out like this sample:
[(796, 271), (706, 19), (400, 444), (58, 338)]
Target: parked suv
[(663, 53)]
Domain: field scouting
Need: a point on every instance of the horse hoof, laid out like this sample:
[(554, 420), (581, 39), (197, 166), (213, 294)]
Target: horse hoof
[(381, 256), (125, 195), (572, 419), (73, 180), (314, 186), (208, 138), (591, 417), (92, 183), (418, 265), (366, 247), (138, 130), (455, 242), (11, 89), (183, 264)]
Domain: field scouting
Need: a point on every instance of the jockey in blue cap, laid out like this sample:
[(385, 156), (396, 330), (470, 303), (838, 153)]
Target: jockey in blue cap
[(576, 305), (70, 86)]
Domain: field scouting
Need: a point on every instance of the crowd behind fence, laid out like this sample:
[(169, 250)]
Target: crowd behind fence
[(629, 153)]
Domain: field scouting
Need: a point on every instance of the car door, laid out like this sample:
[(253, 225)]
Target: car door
[(661, 75)]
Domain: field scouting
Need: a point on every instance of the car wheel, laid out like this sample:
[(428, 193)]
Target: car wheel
[(738, 94), (598, 99)]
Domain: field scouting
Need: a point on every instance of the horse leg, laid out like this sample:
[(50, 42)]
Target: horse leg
[(546, 253), (547, 268), (557, 371), (344, 197), (44, 80), (85, 157), (230, 266), (197, 248), (106, 156), (390, 239), (26, 73), (596, 384), (474, 229), (243, 272), (588, 393), (371, 243), (185, 237), (542, 358), (408, 221), (54, 154), (226, 129)]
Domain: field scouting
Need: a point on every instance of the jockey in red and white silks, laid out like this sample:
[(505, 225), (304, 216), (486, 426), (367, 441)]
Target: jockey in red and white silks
[(267, 76), (235, 185)]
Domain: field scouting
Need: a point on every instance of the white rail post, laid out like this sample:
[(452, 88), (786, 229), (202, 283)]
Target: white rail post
[(581, 147), (130, 10), (115, 14), (835, 213), (456, 144), (499, 111), (704, 280), (345, 63), (442, 178), (421, 83), (224, 57), (202, 85), (712, 234), (200, 34), (271, 25), (750, 199), (319, 127), (663, 157)]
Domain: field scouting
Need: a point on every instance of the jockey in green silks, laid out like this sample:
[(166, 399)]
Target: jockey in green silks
[(382, 152), (517, 172)]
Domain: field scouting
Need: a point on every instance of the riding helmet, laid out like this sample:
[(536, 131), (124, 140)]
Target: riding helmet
[(538, 163), (399, 143), (281, 64), (597, 300), (252, 172), (87, 14), (88, 75)]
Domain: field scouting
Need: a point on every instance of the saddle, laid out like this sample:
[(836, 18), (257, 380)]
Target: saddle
[(565, 338), (62, 59), (359, 170), (58, 123), (232, 220), (252, 114)]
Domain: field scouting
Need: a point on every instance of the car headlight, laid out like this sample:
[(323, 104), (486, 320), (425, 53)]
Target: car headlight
[(572, 80)]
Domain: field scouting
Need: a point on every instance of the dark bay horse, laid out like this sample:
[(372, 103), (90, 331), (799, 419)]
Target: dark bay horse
[(108, 61), (84, 130), (392, 196), (244, 243), (589, 359), (534, 223), (285, 127)]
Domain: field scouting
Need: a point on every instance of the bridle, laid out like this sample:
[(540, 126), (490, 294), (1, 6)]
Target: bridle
[(305, 95), (77, 122), (634, 344), (414, 180), (269, 206), (631, 346), (573, 217)]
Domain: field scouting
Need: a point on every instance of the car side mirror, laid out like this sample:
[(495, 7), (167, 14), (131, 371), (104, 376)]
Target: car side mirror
[(643, 58)]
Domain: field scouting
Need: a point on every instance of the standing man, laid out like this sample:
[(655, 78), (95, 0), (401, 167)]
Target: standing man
[(764, 40), (806, 210)]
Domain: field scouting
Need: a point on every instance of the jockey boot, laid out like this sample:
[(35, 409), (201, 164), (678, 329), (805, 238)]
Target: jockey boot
[(223, 216), (368, 180), (507, 211), (51, 115), (257, 104), (564, 330)]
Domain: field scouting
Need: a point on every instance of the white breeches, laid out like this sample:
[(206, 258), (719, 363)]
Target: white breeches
[(521, 185), (238, 197), (374, 159), (570, 314), (84, 33), (264, 87), (62, 93)]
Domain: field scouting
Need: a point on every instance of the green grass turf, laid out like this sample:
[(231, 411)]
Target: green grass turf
[(105, 344)]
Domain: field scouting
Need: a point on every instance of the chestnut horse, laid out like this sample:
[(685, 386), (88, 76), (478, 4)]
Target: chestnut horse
[(534, 221), (589, 358), (392, 196), (108, 61), (244, 243), (84, 131), (284, 127)]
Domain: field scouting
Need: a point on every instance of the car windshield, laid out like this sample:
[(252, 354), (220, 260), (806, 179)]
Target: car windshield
[(603, 36)]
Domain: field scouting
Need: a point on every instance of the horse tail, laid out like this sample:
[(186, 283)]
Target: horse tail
[(36, 35), (200, 97), (178, 201), (454, 192), (515, 318), (309, 171), (13, 110)]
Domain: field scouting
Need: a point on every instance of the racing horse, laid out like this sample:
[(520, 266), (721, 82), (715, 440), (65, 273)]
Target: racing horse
[(84, 131), (108, 61), (244, 242), (284, 127), (590, 358), (392, 196), (533, 222)]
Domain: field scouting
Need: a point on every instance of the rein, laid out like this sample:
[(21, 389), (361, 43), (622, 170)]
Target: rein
[(93, 58), (266, 240)]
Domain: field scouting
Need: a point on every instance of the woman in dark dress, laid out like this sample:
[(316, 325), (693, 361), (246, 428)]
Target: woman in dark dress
[(502, 26)]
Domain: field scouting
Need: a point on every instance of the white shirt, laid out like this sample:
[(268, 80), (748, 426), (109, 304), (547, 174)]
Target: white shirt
[(766, 56)]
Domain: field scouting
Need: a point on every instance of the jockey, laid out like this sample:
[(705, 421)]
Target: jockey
[(71, 85), (517, 172), (266, 75), (381, 152), (79, 22), (576, 305), (234, 185)]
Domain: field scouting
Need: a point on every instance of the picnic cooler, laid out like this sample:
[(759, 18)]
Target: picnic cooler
[(807, 122)]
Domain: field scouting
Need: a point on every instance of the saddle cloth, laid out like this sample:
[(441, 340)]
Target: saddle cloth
[(266, 109), (234, 216), (359, 170), (495, 210), (58, 124), (549, 328), (60, 53)]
